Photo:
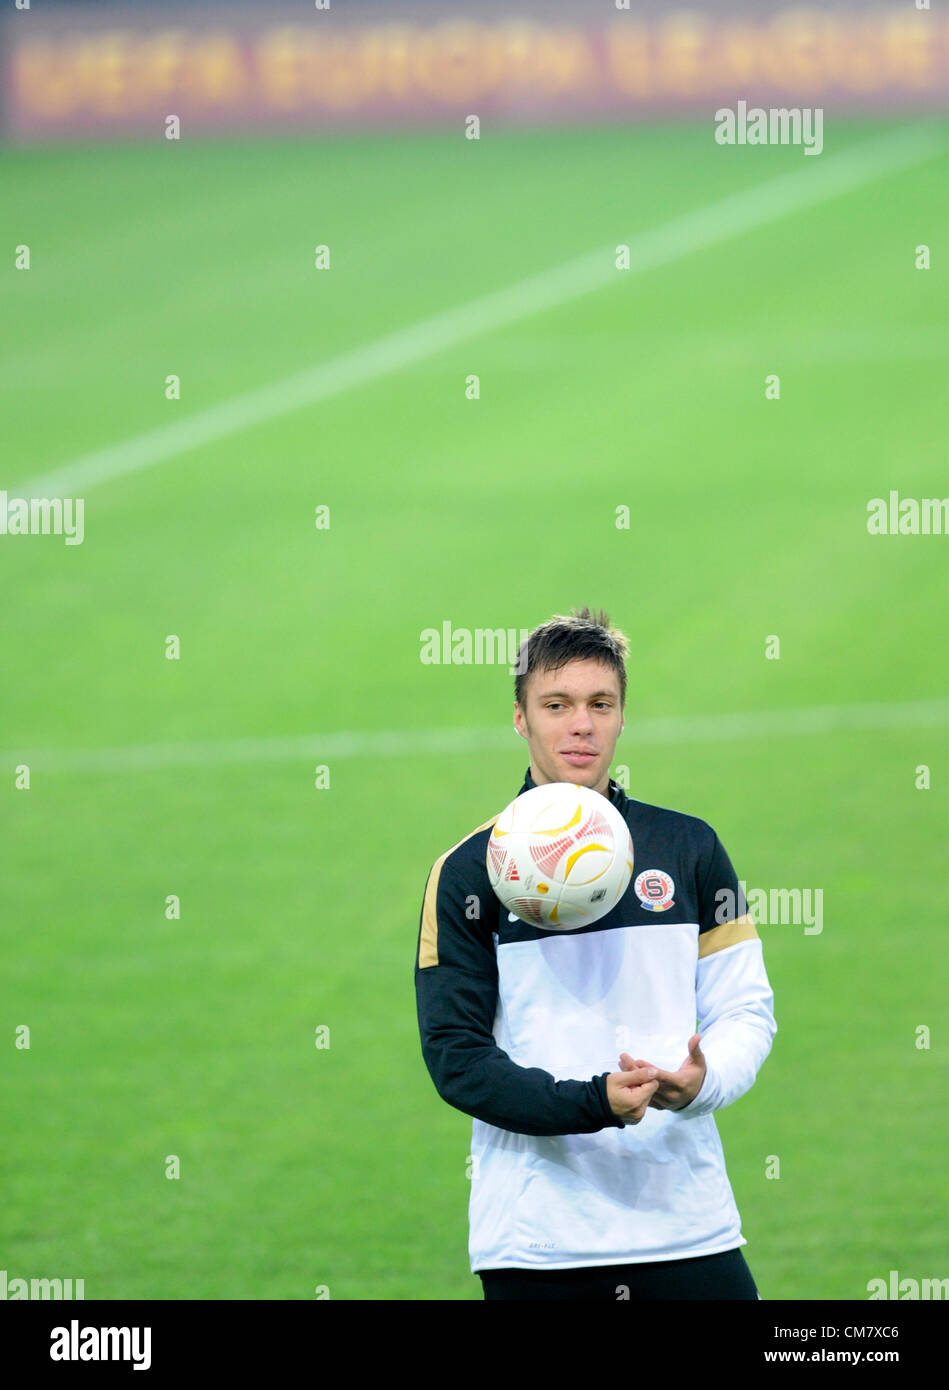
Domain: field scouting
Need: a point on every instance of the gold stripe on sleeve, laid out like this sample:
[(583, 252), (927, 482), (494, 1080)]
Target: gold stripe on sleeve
[(428, 938), (728, 934)]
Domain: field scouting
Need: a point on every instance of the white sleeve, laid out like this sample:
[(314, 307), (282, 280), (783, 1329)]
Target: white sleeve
[(735, 1007)]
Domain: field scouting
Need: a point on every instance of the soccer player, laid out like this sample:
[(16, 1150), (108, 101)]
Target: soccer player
[(613, 1186)]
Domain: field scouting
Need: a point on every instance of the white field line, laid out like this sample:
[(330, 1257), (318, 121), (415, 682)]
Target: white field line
[(330, 748), (817, 180)]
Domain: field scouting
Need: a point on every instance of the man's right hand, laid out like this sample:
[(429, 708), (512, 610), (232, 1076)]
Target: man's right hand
[(629, 1093)]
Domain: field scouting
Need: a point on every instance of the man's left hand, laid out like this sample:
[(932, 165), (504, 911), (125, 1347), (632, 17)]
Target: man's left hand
[(677, 1089)]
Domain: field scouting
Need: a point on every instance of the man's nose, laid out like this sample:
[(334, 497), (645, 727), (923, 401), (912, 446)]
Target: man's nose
[(581, 722)]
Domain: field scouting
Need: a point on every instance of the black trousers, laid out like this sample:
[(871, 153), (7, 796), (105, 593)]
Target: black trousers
[(708, 1276)]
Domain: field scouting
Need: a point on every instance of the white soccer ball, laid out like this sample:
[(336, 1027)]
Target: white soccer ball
[(560, 856)]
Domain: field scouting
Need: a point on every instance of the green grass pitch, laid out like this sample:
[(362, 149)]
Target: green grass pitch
[(340, 1167)]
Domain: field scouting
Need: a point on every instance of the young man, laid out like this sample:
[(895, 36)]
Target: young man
[(613, 1186)]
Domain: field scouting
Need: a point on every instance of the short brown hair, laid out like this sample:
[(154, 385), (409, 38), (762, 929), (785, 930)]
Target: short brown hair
[(583, 636)]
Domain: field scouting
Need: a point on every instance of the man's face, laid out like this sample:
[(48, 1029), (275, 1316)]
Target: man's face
[(571, 719)]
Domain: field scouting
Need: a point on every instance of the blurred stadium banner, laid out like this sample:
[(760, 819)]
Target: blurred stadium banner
[(86, 70)]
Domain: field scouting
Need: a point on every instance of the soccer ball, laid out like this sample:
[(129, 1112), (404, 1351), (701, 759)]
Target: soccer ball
[(560, 856)]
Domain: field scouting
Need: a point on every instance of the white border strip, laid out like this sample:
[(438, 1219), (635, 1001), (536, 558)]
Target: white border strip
[(693, 231), (329, 748)]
